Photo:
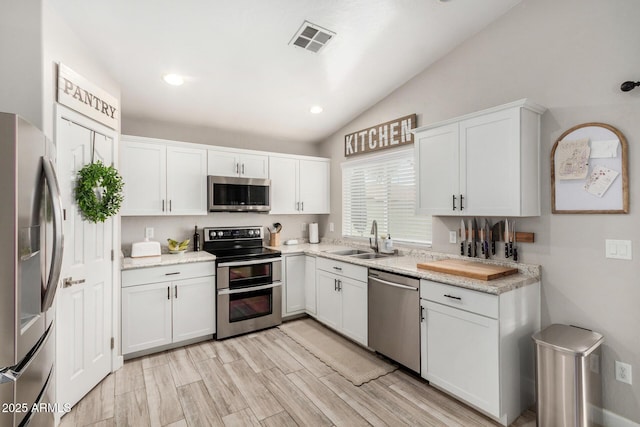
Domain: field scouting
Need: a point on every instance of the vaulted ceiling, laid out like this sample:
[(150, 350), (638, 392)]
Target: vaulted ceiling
[(242, 71)]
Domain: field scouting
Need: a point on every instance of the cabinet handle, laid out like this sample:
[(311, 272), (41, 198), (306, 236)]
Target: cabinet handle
[(237, 167), (302, 206), (339, 285), (175, 292), (337, 268), (168, 292), (169, 205), (422, 314), (171, 274), (243, 169), (335, 284), (162, 205), (452, 297), (297, 206), (454, 201), (461, 198)]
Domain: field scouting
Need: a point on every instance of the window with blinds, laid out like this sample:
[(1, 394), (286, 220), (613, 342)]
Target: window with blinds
[(383, 188)]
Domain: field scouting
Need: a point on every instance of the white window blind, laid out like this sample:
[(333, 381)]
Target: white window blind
[(383, 188)]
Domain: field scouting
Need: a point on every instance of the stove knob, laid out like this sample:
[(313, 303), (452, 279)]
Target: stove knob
[(220, 233), (257, 233), (250, 232)]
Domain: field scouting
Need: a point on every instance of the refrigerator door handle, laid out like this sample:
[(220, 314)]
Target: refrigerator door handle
[(56, 256), (12, 373)]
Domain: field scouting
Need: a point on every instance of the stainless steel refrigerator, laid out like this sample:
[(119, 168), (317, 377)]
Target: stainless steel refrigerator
[(31, 244)]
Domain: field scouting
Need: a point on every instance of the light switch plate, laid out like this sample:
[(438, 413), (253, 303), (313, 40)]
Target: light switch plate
[(148, 232), (618, 249), (453, 237)]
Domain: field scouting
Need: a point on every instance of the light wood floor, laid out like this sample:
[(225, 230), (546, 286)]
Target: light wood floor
[(262, 379)]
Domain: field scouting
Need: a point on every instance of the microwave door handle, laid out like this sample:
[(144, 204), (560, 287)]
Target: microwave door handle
[(58, 242)]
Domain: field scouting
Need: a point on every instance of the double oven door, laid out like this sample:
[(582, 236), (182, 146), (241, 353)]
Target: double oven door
[(249, 296)]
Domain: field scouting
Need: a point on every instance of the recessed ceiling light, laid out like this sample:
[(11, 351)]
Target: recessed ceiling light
[(316, 109), (173, 79)]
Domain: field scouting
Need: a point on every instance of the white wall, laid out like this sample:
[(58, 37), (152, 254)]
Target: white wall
[(61, 45), (21, 88), (213, 136), (570, 56)]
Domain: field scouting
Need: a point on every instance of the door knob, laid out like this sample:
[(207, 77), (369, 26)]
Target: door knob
[(68, 281)]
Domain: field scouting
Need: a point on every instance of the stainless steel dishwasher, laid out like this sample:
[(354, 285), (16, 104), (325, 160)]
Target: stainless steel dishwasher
[(394, 317)]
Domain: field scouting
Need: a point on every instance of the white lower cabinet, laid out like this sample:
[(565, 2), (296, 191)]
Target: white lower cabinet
[(341, 291), (294, 285), (157, 312), (478, 347), (310, 285)]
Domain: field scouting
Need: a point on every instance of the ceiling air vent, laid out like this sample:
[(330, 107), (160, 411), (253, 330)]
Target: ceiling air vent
[(312, 37)]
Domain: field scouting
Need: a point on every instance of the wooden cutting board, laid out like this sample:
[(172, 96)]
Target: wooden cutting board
[(474, 270)]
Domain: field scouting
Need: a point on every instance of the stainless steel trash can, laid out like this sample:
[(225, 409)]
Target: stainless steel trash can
[(568, 380)]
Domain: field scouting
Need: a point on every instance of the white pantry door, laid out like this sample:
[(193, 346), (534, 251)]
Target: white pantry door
[(84, 312)]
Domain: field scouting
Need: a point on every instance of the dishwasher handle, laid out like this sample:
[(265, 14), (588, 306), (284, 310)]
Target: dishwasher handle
[(395, 285)]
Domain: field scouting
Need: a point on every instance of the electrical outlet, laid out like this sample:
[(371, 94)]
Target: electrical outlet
[(623, 372), (148, 232), (453, 236), (331, 227)]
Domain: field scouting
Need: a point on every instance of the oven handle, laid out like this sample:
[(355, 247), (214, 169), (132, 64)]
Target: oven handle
[(252, 262), (245, 290)]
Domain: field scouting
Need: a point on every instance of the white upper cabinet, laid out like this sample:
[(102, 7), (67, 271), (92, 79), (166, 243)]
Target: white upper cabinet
[(486, 163), (299, 186), (143, 167), (186, 181), (161, 179), (237, 164)]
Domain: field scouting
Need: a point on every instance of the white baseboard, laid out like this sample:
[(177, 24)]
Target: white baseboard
[(611, 419)]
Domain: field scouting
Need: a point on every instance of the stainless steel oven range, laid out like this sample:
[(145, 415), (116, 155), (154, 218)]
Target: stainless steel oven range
[(248, 280)]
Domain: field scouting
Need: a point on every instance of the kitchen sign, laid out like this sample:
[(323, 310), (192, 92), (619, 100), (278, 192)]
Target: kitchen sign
[(380, 137), (79, 94)]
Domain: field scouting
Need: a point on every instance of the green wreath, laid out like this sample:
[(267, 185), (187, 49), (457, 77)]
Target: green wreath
[(99, 191)]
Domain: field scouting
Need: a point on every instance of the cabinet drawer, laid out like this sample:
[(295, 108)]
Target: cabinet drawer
[(465, 299), (355, 272), (167, 273)]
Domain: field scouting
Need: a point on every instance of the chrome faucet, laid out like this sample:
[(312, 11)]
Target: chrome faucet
[(374, 231)]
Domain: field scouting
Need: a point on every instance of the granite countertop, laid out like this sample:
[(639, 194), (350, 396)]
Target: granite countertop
[(129, 263), (407, 264)]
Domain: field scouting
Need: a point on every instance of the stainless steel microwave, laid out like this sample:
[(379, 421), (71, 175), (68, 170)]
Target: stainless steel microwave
[(231, 194)]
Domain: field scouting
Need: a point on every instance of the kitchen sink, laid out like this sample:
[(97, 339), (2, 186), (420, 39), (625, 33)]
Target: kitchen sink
[(369, 255), (350, 252)]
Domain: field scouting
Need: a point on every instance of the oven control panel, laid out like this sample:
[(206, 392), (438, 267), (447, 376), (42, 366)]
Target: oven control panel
[(232, 233)]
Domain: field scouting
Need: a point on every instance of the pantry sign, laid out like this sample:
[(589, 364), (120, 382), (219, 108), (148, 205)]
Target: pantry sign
[(79, 94), (380, 137)]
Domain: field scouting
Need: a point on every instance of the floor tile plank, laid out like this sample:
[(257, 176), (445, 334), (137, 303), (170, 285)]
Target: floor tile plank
[(250, 351), (162, 396), (225, 394), (154, 360), (183, 370), (336, 409), (201, 351), (281, 419), (302, 410), (303, 356), (260, 400), (132, 409), (225, 351), (199, 410), (281, 358), (241, 419)]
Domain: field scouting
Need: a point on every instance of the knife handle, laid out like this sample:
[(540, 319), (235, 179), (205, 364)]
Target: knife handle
[(482, 247), (506, 250), (515, 254), (462, 248), (510, 248), (470, 245), (485, 245), (493, 247)]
